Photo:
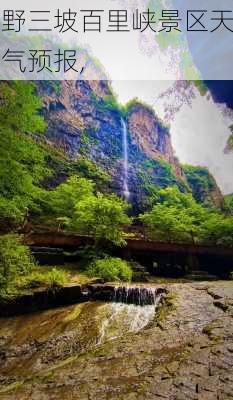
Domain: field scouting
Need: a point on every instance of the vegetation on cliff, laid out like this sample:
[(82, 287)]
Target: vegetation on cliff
[(22, 161), (177, 217), (203, 186), (228, 204)]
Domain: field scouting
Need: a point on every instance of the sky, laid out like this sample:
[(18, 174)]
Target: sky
[(199, 127)]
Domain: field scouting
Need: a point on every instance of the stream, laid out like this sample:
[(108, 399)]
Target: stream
[(116, 350)]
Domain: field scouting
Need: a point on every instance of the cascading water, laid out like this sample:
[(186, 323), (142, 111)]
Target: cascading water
[(133, 308), (126, 192), (137, 295)]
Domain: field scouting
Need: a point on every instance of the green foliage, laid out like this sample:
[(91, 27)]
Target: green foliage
[(54, 278), (175, 216), (62, 200), (87, 142), (87, 169), (22, 167), (230, 139), (111, 103), (217, 229), (22, 161), (78, 208), (53, 85), (19, 108), (133, 103), (172, 196), (172, 223), (107, 103), (15, 260), (201, 86), (110, 269), (102, 216), (201, 183), (178, 217), (150, 195), (228, 204), (57, 277), (33, 280), (153, 175)]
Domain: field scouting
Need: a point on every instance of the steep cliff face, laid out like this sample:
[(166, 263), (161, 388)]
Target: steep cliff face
[(152, 136), (84, 118), (203, 185)]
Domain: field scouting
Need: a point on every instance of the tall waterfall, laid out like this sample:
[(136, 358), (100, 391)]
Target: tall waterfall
[(125, 158)]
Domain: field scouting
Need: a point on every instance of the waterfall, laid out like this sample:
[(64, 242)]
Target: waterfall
[(140, 296), (132, 309), (125, 159)]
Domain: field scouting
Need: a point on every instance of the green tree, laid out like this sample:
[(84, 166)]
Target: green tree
[(15, 260), (217, 229), (178, 217), (19, 111), (172, 196), (228, 204), (77, 206), (62, 201), (88, 169), (175, 217), (22, 161), (102, 216), (172, 223)]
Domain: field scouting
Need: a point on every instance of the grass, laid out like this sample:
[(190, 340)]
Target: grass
[(42, 277), (48, 277)]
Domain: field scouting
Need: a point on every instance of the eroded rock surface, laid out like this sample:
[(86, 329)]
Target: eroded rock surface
[(185, 352)]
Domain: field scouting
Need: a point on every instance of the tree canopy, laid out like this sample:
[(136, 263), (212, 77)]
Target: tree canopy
[(102, 216), (77, 206), (178, 217), (22, 161)]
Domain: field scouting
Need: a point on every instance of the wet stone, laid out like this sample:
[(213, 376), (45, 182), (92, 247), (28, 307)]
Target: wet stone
[(114, 351)]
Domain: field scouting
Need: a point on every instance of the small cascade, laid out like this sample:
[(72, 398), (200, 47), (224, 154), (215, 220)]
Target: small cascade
[(125, 159), (132, 309), (139, 296)]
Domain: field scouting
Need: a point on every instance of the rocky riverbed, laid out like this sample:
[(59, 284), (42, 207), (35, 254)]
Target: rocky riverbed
[(99, 351)]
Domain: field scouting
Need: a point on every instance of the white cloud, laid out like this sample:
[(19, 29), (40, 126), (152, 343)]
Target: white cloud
[(199, 135), (199, 131)]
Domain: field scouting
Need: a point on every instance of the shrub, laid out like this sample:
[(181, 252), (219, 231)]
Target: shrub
[(57, 277), (102, 216), (53, 278), (34, 280), (15, 259), (110, 269)]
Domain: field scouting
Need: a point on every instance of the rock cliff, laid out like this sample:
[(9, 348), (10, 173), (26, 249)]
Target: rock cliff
[(203, 186), (85, 119)]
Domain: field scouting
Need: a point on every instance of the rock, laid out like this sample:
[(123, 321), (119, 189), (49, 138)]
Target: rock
[(203, 185), (82, 121), (191, 358)]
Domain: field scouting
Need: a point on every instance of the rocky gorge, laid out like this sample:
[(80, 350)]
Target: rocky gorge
[(69, 327), (181, 350), (85, 119)]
